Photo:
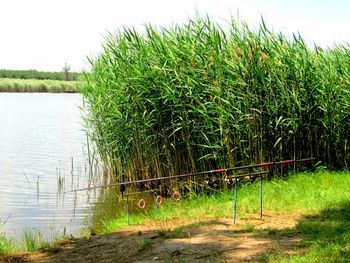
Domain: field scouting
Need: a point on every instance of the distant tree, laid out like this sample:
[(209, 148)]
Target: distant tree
[(66, 71)]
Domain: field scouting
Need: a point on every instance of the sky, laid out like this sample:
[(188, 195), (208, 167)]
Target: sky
[(46, 34)]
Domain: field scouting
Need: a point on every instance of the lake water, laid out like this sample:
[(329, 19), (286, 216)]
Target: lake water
[(42, 159)]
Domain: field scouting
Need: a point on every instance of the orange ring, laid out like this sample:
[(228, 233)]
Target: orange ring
[(176, 196), (142, 203), (159, 200)]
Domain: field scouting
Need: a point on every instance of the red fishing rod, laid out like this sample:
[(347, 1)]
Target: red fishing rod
[(268, 165)]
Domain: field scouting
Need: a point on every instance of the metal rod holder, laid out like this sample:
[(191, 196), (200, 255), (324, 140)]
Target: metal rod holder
[(235, 202), (270, 167), (155, 202), (261, 197), (128, 209)]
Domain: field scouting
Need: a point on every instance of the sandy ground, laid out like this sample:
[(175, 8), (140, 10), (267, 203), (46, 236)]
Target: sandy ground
[(181, 241)]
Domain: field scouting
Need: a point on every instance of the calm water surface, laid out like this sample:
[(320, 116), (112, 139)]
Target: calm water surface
[(42, 158)]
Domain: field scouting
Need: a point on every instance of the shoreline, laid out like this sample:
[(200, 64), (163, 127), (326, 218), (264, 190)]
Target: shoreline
[(297, 226)]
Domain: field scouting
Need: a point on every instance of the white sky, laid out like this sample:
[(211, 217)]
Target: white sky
[(44, 34)]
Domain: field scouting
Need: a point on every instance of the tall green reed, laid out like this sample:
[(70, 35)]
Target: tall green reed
[(169, 100)]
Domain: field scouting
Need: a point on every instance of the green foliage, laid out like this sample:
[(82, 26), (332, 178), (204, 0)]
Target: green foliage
[(34, 74), (34, 85), (166, 101)]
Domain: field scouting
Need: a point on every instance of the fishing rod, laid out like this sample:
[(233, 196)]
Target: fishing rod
[(269, 165)]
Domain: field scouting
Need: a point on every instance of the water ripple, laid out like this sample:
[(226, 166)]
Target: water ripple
[(41, 135)]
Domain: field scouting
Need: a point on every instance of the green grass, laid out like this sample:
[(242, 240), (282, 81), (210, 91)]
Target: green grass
[(7, 245), (35, 85), (305, 192), (328, 235), (33, 240), (323, 198), (301, 193)]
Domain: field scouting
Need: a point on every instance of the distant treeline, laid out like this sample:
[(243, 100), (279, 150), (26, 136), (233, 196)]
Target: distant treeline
[(34, 74)]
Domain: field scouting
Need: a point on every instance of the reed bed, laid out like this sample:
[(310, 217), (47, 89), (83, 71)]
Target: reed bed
[(35, 85), (191, 97)]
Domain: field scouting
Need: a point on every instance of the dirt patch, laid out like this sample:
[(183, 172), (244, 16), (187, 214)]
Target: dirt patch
[(250, 240)]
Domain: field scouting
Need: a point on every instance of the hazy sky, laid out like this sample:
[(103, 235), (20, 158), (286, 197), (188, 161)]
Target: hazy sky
[(44, 34)]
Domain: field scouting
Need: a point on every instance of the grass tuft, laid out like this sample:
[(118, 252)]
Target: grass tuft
[(7, 245)]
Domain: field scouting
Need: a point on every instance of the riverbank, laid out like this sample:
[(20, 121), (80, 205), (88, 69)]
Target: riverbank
[(36, 85), (305, 219)]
